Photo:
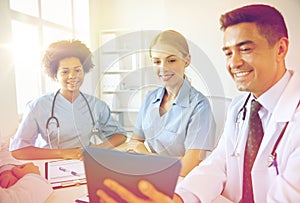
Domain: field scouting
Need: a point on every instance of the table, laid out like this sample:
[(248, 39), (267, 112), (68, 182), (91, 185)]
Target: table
[(66, 194), (70, 194)]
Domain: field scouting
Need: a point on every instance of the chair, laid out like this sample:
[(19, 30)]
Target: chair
[(219, 107)]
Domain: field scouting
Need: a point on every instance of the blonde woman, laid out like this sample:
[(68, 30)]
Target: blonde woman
[(175, 120)]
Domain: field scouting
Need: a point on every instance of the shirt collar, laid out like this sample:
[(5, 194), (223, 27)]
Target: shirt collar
[(269, 99), (158, 95), (182, 98)]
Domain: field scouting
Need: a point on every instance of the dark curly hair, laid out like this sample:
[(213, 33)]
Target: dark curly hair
[(64, 49), (269, 21)]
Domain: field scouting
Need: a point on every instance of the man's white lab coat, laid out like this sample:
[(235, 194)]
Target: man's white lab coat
[(222, 171)]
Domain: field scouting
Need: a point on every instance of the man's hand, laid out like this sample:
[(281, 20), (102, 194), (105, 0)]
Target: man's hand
[(145, 187), (7, 179)]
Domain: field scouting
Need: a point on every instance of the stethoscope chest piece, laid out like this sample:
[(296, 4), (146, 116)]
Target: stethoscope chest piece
[(95, 131), (235, 154)]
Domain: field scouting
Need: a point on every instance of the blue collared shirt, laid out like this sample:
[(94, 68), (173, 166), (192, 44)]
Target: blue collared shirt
[(74, 120), (189, 124)]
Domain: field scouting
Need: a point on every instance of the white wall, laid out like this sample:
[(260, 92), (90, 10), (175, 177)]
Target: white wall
[(198, 20)]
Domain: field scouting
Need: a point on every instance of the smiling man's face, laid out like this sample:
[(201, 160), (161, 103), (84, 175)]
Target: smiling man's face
[(251, 61)]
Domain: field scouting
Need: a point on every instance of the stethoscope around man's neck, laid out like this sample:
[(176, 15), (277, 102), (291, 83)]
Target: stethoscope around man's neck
[(52, 117), (273, 156), (242, 111)]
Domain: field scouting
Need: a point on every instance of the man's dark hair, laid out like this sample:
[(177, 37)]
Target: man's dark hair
[(269, 21)]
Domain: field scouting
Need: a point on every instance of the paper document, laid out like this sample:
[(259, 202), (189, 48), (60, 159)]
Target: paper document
[(63, 173)]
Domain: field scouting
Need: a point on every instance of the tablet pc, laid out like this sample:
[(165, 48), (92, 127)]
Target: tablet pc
[(128, 169)]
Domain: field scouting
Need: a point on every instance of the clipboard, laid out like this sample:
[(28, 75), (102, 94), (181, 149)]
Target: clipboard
[(65, 173)]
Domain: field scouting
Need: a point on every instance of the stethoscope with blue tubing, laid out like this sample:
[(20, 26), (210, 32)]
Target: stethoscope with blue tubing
[(95, 130), (272, 160)]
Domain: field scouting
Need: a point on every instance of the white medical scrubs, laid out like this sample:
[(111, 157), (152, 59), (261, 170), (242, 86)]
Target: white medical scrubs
[(189, 124), (74, 120)]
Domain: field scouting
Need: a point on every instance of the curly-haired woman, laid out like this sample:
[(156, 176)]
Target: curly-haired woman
[(66, 119)]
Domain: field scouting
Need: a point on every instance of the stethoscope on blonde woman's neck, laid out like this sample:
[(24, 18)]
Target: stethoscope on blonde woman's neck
[(273, 156), (52, 117)]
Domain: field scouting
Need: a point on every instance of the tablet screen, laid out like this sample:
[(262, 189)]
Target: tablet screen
[(128, 169)]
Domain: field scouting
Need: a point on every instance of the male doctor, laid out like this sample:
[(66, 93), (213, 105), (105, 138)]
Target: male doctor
[(255, 44)]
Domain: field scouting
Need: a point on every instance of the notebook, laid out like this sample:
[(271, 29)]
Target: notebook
[(128, 169)]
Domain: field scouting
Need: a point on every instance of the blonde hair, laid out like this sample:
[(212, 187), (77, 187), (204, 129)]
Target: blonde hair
[(172, 38)]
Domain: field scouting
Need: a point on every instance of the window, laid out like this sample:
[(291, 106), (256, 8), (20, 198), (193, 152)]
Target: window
[(36, 24)]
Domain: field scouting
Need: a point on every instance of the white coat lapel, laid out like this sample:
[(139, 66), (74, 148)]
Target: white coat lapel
[(283, 112)]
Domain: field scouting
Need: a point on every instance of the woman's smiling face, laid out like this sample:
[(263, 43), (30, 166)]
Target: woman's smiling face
[(70, 74), (169, 64)]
